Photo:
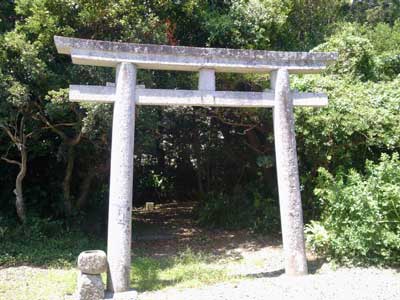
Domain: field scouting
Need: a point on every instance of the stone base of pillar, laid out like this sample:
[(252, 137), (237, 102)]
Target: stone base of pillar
[(129, 295), (90, 287)]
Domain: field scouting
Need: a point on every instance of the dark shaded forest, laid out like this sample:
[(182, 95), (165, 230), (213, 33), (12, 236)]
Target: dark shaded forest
[(55, 155)]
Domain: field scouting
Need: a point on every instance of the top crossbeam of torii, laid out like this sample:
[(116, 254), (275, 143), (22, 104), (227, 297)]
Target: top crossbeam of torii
[(179, 58), (205, 60)]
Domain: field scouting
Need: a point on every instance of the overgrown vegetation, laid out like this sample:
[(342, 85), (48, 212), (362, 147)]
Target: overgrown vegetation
[(361, 214), (42, 242), (240, 209), (55, 154)]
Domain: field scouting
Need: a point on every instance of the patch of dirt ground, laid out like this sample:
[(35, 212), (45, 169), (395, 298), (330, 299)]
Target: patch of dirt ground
[(343, 284)]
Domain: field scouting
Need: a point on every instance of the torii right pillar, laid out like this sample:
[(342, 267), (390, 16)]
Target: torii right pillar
[(288, 176)]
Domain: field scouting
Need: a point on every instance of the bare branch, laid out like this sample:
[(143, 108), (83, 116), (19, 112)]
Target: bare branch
[(76, 140), (53, 127), (61, 125), (254, 148), (233, 123), (11, 161), (9, 133)]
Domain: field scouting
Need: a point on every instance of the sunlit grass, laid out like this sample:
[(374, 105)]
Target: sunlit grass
[(36, 284), (188, 269), (53, 273)]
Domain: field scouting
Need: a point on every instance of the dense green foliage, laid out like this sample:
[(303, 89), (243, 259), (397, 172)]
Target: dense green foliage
[(43, 242), (55, 154), (361, 214)]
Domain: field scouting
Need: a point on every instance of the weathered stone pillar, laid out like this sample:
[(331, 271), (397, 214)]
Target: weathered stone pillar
[(288, 176), (121, 178)]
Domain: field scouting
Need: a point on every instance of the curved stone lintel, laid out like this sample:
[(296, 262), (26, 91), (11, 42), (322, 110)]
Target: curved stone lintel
[(163, 57)]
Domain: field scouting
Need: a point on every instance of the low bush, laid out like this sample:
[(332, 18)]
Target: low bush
[(360, 222), (42, 242), (248, 207)]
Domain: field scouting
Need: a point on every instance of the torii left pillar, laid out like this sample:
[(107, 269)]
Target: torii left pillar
[(121, 179)]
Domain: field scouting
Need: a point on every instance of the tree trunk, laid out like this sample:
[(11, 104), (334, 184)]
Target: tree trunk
[(67, 181), (85, 189), (19, 201)]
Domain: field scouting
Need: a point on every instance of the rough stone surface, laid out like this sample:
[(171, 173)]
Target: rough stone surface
[(90, 287), (203, 97), (121, 179), (207, 80), (66, 44), (104, 53), (288, 177), (92, 262)]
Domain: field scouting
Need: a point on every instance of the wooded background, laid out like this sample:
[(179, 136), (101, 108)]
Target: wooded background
[(55, 155)]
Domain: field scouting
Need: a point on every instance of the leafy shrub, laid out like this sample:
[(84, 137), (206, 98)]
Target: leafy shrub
[(355, 52), (243, 208), (42, 242), (361, 121), (361, 214), (388, 65)]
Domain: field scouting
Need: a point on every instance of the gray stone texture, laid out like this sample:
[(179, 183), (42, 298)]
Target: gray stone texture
[(121, 179), (207, 80), (90, 287), (288, 177), (104, 53), (92, 262), (205, 96)]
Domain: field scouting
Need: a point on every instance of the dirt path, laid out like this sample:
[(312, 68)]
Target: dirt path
[(171, 228), (344, 284)]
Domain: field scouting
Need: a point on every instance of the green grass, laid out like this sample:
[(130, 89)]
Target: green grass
[(40, 244), (52, 273), (187, 269), (36, 284)]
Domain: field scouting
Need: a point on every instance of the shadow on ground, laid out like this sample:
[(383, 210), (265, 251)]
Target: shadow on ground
[(169, 249), (170, 228)]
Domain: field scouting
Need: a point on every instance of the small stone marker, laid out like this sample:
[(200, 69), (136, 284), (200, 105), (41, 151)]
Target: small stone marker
[(149, 206), (90, 285)]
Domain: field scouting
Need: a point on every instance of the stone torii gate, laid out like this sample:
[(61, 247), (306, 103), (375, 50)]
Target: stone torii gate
[(125, 95)]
